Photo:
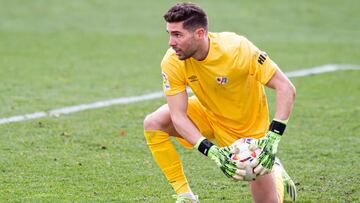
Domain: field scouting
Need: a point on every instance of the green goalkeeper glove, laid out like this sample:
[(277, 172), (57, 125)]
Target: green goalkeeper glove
[(221, 156), (268, 145)]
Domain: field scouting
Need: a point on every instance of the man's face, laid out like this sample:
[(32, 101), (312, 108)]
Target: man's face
[(181, 40)]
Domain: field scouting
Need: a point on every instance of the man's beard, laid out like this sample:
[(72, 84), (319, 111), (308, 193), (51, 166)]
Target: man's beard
[(184, 56)]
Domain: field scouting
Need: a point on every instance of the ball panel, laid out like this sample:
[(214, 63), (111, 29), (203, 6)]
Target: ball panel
[(246, 156)]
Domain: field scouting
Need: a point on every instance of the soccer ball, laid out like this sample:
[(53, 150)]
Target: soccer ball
[(246, 156)]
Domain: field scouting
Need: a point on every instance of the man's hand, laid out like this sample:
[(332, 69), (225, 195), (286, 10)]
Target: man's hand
[(221, 156), (268, 145)]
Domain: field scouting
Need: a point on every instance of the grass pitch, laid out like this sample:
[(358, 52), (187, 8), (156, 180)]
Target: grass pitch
[(55, 54)]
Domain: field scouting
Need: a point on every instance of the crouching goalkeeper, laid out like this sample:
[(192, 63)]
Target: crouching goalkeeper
[(227, 75)]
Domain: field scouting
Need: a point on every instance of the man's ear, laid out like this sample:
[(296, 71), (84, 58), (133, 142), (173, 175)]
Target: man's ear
[(200, 33)]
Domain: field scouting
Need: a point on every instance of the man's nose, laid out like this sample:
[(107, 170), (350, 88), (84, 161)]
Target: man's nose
[(172, 42)]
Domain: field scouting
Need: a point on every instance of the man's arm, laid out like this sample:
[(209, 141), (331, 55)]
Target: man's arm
[(178, 112), (285, 97), (184, 126), (285, 94)]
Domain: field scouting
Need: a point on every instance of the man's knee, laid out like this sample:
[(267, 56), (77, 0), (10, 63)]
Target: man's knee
[(156, 128), (150, 123), (157, 121), (264, 189)]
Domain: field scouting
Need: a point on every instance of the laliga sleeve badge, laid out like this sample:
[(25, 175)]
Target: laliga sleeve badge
[(166, 83)]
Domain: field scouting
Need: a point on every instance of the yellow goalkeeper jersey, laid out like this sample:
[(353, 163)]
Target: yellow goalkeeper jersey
[(229, 83)]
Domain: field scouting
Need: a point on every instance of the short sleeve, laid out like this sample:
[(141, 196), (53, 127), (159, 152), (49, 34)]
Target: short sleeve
[(261, 66), (173, 76)]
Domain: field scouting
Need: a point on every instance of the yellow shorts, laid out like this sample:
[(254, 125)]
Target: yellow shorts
[(210, 127)]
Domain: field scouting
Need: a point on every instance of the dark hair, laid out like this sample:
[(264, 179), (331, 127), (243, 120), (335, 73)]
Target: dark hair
[(191, 14)]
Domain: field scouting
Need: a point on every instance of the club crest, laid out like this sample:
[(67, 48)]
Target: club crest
[(222, 80)]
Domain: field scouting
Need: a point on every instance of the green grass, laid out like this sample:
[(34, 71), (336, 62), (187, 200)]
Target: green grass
[(60, 53)]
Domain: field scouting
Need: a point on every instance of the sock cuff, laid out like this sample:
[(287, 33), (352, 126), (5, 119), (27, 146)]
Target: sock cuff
[(156, 136)]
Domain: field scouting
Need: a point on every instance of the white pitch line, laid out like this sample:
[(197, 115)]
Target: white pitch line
[(321, 69), (126, 100)]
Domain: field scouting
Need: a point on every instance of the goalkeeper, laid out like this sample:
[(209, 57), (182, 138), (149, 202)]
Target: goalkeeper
[(227, 75)]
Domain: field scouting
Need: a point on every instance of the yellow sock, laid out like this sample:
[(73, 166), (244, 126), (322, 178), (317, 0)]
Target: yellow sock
[(167, 159), (279, 182)]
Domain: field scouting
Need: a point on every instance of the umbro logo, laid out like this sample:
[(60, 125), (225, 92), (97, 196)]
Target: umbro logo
[(193, 78)]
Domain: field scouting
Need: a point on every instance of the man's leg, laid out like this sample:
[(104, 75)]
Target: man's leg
[(270, 188), (264, 189), (157, 129)]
